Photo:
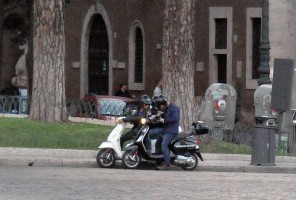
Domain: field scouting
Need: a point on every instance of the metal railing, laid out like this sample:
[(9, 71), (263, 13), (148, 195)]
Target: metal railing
[(75, 108), (14, 105)]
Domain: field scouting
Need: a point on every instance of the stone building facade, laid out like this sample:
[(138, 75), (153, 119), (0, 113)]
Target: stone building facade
[(109, 42)]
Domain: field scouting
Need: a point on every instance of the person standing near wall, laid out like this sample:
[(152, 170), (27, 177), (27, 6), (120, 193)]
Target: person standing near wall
[(157, 90), (123, 92)]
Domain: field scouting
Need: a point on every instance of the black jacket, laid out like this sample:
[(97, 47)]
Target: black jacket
[(123, 94), (136, 118)]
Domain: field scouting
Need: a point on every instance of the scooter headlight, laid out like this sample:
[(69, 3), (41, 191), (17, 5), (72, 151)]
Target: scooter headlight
[(143, 121)]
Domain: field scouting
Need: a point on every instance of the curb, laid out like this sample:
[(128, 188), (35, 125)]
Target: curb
[(91, 163), (87, 159), (249, 169), (39, 152)]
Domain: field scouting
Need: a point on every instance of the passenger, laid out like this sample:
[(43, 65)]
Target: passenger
[(171, 120)]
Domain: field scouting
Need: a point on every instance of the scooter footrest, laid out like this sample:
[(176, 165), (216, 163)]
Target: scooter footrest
[(156, 156)]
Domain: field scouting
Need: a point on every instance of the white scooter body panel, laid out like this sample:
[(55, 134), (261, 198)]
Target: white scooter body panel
[(113, 140), (109, 145)]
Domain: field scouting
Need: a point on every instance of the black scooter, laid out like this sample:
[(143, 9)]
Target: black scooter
[(184, 149)]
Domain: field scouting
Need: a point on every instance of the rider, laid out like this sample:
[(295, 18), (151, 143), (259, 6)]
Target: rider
[(142, 111), (170, 128)]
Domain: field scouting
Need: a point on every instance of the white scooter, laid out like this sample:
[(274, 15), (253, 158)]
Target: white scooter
[(110, 150)]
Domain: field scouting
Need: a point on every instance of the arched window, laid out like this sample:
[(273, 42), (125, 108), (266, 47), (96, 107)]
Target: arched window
[(136, 57)]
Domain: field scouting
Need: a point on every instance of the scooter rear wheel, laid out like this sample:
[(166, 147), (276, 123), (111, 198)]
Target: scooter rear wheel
[(131, 159), (192, 166), (106, 158)]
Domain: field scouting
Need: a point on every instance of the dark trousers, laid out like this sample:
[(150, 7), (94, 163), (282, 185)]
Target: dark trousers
[(163, 144), (131, 135)]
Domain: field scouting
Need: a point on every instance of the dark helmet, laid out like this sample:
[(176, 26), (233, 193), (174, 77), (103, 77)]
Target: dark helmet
[(145, 99), (161, 100), (153, 100)]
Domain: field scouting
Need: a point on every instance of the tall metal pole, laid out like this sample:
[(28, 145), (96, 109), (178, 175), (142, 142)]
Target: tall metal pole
[(1, 36), (263, 141), (264, 69)]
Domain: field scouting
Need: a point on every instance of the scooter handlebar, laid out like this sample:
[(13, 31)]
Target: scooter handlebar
[(156, 119)]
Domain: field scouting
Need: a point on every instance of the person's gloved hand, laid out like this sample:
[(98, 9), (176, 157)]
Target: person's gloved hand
[(161, 120), (119, 120)]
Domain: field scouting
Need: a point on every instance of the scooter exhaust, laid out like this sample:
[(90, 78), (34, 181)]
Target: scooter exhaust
[(182, 160)]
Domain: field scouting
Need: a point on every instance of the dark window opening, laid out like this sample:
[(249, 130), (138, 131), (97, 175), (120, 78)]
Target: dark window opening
[(98, 57), (222, 68), (138, 56), (221, 33), (256, 35)]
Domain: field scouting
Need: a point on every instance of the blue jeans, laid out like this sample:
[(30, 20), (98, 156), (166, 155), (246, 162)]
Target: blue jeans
[(151, 134), (167, 139)]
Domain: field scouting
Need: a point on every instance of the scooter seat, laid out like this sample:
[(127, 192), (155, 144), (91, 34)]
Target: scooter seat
[(183, 135)]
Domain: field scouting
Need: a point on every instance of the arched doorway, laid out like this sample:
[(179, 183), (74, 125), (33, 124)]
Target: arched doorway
[(98, 57)]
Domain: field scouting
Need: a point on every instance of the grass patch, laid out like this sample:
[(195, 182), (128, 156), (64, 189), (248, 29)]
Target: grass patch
[(218, 146), (15, 132), (18, 132)]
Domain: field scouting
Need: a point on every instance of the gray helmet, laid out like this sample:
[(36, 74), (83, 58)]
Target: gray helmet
[(145, 99)]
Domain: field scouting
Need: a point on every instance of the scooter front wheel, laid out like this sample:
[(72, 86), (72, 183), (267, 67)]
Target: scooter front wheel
[(106, 158), (131, 159)]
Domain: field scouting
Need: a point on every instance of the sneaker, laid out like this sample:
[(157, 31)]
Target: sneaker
[(164, 167)]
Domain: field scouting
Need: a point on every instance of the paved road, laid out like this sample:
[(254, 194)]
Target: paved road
[(96, 183)]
